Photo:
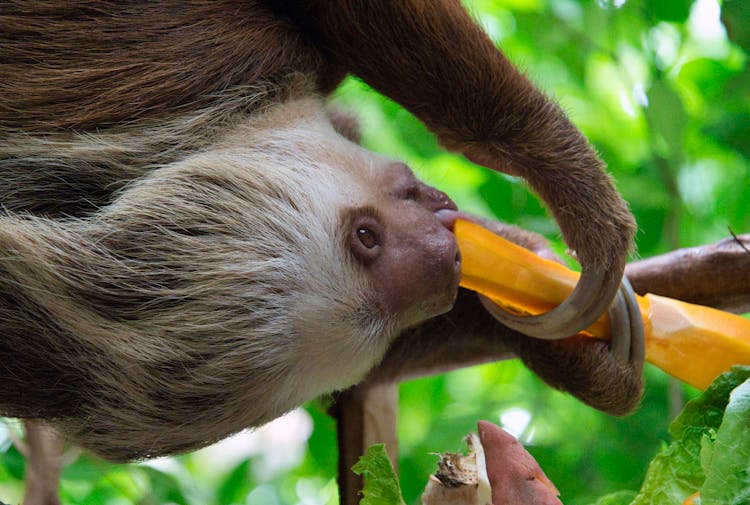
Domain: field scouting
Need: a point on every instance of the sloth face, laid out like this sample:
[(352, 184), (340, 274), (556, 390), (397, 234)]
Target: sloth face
[(402, 238), (217, 292)]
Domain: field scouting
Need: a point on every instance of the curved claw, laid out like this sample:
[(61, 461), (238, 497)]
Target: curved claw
[(628, 343), (626, 327), (620, 327), (591, 297), (637, 332)]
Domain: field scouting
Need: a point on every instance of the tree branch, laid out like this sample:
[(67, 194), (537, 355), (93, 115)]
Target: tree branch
[(43, 465), (717, 275)]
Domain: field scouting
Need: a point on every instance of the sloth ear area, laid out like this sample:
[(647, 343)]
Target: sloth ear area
[(345, 123)]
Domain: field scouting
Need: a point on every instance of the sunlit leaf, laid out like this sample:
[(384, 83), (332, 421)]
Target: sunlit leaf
[(381, 482)]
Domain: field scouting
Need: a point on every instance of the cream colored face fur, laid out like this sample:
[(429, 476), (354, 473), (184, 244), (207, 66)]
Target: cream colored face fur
[(217, 292)]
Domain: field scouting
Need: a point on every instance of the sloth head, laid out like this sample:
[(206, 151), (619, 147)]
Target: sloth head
[(222, 290), (343, 248)]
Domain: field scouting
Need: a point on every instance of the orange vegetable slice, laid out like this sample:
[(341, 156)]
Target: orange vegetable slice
[(691, 342)]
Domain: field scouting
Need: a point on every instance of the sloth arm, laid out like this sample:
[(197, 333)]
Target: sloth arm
[(712, 275), (468, 335), (434, 60)]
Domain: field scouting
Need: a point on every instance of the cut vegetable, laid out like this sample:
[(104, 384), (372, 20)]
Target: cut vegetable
[(691, 342), (460, 479), (497, 470)]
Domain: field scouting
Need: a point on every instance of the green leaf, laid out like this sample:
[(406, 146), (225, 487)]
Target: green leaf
[(728, 464), (736, 17), (164, 488), (677, 473), (707, 411), (669, 10), (236, 485), (381, 482), (618, 498)]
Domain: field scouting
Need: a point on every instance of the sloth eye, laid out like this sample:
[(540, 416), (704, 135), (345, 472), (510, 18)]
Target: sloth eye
[(366, 234), (367, 237), (411, 193)]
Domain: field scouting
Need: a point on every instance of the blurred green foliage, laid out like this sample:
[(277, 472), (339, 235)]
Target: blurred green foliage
[(662, 89)]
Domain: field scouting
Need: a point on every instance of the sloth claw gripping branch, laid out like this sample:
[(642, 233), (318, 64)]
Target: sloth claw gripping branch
[(626, 324)]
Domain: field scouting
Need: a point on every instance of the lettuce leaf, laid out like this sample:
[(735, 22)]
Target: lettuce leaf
[(710, 451), (726, 462), (677, 472), (381, 482)]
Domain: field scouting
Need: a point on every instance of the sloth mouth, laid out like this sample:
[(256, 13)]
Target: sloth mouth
[(447, 216)]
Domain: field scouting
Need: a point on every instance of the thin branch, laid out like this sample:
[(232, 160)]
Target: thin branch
[(737, 239)]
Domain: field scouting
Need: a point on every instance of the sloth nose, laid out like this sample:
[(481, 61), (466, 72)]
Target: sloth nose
[(435, 200), (442, 206)]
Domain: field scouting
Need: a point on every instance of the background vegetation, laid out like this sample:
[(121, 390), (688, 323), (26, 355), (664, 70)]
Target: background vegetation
[(662, 88)]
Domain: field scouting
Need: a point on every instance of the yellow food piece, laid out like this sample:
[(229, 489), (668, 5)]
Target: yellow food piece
[(690, 342)]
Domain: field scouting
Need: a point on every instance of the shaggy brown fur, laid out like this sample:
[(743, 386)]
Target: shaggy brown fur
[(172, 266), (203, 301), (85, 65), (89, 65)]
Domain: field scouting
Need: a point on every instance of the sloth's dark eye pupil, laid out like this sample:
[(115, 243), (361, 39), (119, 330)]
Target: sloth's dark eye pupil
[(367, 237)]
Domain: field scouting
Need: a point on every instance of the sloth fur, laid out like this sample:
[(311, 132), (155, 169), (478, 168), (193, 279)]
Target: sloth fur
[(206, 286), (172, 265)]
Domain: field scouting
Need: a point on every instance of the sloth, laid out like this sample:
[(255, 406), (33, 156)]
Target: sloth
[(193, 243), (207, 286), (94, 93), (219, 291)]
